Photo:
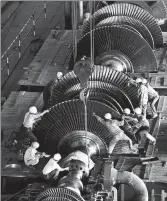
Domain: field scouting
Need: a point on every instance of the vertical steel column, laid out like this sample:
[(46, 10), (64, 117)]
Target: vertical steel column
[(122, 189), (45, 9), (33, 23), (19, 45), (163, 195), (7, 61), (68, 15), (80, 6), (152, 195)]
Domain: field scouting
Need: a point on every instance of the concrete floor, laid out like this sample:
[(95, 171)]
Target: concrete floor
[(13, 25)]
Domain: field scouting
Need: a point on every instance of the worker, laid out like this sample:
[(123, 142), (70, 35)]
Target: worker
[(49, 88), (143, 97), (137, 83), (86, 17), (114, 127), (141, 119), (31, 117), (32, 156), (153, 97), (126, 111), (129, 117), (52, 168), (129, 123), (142, 127)]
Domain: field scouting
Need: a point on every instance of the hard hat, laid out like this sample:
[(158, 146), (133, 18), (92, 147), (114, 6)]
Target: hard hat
[(33, 110), (35, 145), (87, 15), (144, 81), (57, 157), (108, 116), (138, 80), (59, 74), (127, 111), (137, 110)]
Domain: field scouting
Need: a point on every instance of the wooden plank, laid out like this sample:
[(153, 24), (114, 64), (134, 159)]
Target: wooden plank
[(161, 104), (153, 81), (164, 34), (165, 81), (21, 93), (13, 116), (42, 74), (39, 102), (150, 149), (21, 99), (58, 50), (158, 81)]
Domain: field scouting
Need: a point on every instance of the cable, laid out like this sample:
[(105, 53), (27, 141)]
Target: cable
[(75, 38), (86, 128), (91, 44), (74, 29)]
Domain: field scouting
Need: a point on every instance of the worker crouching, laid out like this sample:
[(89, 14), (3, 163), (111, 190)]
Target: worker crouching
[(32, 156), (52, 168), (129, 123), (114, 128), (142, 127)]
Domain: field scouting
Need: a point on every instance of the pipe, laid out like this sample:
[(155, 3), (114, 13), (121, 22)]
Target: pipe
[(135, 182), (80, 5), (68, 16)]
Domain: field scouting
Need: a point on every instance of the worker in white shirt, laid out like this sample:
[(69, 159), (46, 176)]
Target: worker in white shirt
[(86, 17), (52, 168), (129, 117), (136, 83), (153, 97), (116, 132), (142, 127), (32, 156), (30, 118), (48, 89), (143, 97), (129, 123)]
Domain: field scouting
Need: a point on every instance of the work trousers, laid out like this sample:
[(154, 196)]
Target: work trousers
[(28, 135), (116, 138), (144, 109), (153, 101), (52, 175)]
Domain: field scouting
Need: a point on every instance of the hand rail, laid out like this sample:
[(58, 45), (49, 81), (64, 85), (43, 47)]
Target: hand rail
[(18, 37)]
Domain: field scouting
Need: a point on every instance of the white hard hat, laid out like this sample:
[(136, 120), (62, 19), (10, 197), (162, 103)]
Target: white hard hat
[(35, 145), (33, 110), (127, 111), (144, 81), (138, 80), (137, 110), (108, 116), (87, 14), (57, 157), (59, 74)]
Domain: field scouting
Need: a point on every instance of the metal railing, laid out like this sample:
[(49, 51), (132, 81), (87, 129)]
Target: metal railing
[(18, 41)]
